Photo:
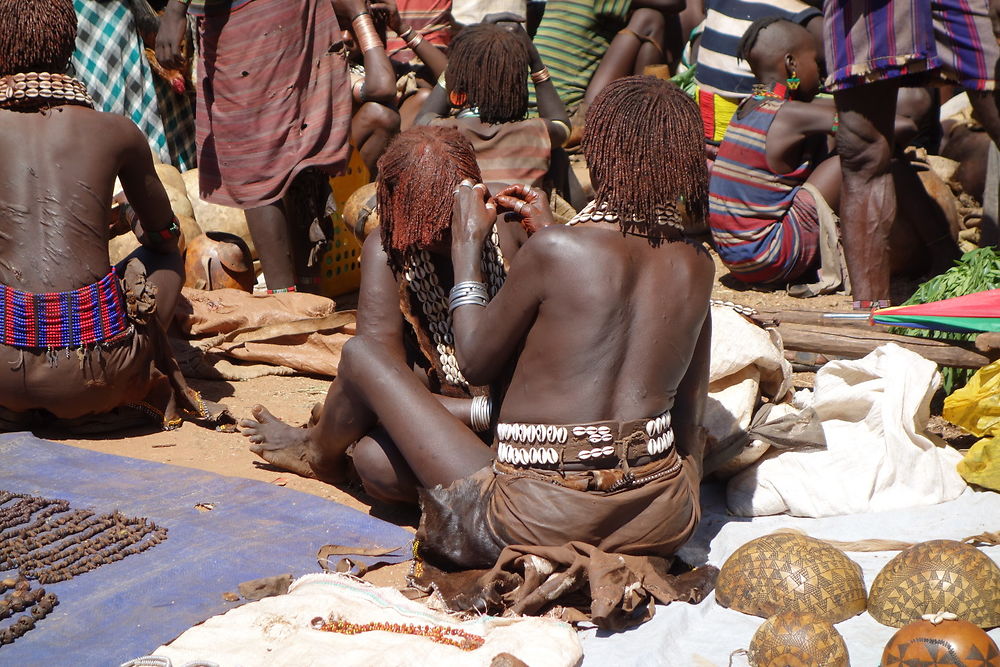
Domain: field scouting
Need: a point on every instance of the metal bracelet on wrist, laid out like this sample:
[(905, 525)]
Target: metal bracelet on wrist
[(481, 413)]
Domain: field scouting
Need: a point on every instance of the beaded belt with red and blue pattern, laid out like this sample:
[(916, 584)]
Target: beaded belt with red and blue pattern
[(91, 314)]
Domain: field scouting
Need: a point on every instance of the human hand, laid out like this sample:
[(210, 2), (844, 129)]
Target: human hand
[(515, 24), (170, 36), (530, 205), (391, 12), (503, 17), (473, 213), (118, 220), (347, 10)]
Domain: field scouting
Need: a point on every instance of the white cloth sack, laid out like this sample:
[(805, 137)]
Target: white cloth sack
[(878, 458), (746, 361), (276, 631)]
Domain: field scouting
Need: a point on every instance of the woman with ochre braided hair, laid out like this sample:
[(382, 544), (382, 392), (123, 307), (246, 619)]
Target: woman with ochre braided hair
[(403, 311), (486, 83), (597, 450)]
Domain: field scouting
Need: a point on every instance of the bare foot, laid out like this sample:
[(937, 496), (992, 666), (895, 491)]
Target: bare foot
[(278, 443)]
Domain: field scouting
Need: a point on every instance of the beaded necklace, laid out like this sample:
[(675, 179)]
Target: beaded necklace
[(778, 92), (666, 215), (31, 91), (422, 280), (436, 633)]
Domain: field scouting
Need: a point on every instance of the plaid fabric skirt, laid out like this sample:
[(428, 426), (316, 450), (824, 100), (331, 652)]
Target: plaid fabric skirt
[(110, 61), (873, 40)]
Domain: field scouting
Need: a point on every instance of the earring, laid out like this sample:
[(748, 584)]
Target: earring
[(793, 81), (457, 99)]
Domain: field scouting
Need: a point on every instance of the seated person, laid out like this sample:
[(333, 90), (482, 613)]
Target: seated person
[(620, 37), (597, 438), (773, 177), (433, 20), (79, 337), (406, 274), (388, 96), (487, 79), (724, 78)]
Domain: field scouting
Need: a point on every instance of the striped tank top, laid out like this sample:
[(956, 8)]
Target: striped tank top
[(750, 205)]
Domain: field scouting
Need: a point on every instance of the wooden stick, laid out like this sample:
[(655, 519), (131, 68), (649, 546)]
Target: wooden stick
[(769, 317), (853, 344)]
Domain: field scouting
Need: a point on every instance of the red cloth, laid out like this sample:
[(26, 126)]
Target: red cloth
[(272, 99), (430, 18)]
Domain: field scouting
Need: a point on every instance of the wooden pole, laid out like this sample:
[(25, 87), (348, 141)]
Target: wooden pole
[(852, 343)]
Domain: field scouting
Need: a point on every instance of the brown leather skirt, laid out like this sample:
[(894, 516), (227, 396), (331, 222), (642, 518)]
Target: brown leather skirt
[(468, 524)]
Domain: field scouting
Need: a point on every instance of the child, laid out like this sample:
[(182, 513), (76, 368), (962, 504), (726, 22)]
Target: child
[(773, 180)]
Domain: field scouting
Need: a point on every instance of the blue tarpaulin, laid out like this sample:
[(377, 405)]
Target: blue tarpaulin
[(126, 609)]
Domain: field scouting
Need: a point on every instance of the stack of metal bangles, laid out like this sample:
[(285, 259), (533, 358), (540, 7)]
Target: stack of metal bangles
[(412, 38), (468, 293), (364, 31), (482, 413), (540, 76)]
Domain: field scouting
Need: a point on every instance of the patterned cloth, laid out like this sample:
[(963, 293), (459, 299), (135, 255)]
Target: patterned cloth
[(764, 226), (723, 79), (52, 320), (872, 40), (430, 18), (508, 153), (109, 60), (572, 39), (177, 116), (272, 100)]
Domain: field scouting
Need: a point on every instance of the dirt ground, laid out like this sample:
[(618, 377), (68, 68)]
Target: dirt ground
[(291, 398)]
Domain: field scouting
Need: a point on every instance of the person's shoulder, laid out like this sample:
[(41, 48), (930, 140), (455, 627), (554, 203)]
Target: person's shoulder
[(112, 129), (554, 240), (697, 260)]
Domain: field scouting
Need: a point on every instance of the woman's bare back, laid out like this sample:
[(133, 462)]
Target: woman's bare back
[(55, 192), (615, 331)]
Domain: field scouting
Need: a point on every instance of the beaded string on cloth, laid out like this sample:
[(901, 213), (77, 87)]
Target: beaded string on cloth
[(422, 280), (436, 633), (30, 91), (666, 216)]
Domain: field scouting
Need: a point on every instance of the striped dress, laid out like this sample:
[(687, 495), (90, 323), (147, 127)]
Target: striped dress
[(872, 40), (432, 21), (764, 225), (572, 39)]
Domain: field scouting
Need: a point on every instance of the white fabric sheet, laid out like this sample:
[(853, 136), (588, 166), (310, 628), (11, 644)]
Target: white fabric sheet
[(684, 635), (878, 457), (276, 631)]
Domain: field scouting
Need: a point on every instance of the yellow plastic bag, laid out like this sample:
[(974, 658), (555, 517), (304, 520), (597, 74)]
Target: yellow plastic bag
[(981, 464), (976, 406)]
